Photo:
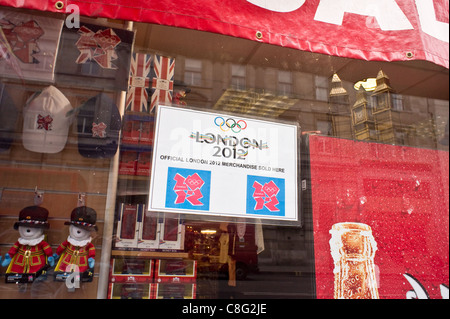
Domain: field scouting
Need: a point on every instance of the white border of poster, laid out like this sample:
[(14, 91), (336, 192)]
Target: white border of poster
[(224, 165)]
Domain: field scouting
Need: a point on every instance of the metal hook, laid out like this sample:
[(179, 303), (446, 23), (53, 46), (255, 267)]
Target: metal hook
[(38, 197), (81, 199)]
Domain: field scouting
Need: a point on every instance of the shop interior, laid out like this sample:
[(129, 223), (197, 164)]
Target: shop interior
[(141, 254)]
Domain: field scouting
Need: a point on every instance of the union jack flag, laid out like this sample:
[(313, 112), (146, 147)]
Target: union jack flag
[(162, 82), (137, 96)]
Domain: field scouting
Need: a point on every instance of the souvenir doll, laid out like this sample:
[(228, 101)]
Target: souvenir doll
[(30, 255), (77, 253)]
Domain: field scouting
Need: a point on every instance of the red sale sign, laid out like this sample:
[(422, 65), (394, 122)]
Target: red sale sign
[(384, 30), (381, 220)]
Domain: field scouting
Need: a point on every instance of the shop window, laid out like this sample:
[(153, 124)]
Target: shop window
[(397, 102), (193, 72), (321, 88), (284, 82), (400, 135), (238, 76), (324, 127)]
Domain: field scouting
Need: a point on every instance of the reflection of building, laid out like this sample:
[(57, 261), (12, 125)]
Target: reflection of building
[(388, 117), (251, 102), (372, 118), (339, 109), (331, 107)]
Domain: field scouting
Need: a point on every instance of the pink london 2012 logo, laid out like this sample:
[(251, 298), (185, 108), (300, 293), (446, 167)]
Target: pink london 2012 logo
[(266, 196), (188, 188)]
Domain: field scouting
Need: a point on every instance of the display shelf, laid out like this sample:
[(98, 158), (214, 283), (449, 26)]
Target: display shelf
[(149, 254), (136, 147), (134, 177)]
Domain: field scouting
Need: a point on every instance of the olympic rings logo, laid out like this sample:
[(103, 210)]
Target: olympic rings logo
[(230, 124)]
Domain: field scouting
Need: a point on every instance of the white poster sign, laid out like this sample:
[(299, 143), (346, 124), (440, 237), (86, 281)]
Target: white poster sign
[(223, 165)]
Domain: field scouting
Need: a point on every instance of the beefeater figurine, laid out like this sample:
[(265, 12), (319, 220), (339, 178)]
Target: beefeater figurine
[(30, 253), (77, 253)]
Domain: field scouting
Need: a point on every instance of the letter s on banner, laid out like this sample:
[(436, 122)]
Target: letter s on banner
[(429, 24), (387, 12), (278, 5)]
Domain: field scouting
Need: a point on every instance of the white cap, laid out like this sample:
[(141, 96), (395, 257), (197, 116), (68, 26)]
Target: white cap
[(46, 121)]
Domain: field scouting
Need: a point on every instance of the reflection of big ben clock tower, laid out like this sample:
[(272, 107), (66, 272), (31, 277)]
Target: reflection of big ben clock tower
[(362, 123), (382, 97), (382, 93), (359, 116)]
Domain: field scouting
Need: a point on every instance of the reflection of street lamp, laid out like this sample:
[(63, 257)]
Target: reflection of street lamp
[(208, 231), (368, 84), (382, 93)]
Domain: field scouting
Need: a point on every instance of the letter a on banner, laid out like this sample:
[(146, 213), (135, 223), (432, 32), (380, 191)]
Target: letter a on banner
[(278, 5)]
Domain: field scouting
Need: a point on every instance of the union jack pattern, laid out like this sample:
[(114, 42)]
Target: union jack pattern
[(98, 46), (162, 83), (137, 96)]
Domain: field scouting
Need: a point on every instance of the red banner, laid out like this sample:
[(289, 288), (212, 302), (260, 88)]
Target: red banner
[(384, 30), (381, 220)]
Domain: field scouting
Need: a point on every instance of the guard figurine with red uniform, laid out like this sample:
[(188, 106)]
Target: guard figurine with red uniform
[(77, 253), (30, 256)]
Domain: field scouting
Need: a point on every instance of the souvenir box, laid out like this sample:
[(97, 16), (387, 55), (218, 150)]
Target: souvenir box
[(171, 234), (139, 83), (139, 228), (162, 75), (149, 231), (175, 271), (131, 131), (157, 232), (144, 164), (128, 163), (131, 270), (137, 130), (127, 225), (151, 81), (174, 291), (130, 290)]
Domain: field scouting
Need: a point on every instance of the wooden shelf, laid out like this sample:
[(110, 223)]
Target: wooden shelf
[(151, 254)]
